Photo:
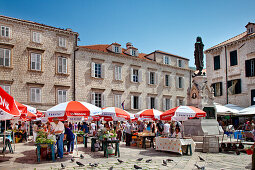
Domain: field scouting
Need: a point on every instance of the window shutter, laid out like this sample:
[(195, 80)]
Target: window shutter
[(182, 82), (38, 62), (131, 74), (164, 104), (1, 56), (156, 103), (178, 103), (248, 68), (140, 75), (64, 65), (7, 31), (38, 95), (33, 61), (164, 59), (156, 78), (2, 31), (34, 37), (92, 69), (64, 96), (103, 101), (32, 97), (149, 77), (115, 100), (7, 57), (102, 71), (38, 37), (132, 102), (120, 73), (149, 102), (139, 102), (171, 104), (59, 96), (92, 98), (177, 82), (59, 64), (116, 73)]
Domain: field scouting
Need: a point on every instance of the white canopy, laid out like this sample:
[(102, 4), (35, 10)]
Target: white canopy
[(247, 111), (234, 107), (223, 110)]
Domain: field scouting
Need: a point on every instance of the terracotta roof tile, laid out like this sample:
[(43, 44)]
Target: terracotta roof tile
[(236, 38), (163, 52)]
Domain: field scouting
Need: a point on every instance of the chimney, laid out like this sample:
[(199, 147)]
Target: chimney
[(128, 45)]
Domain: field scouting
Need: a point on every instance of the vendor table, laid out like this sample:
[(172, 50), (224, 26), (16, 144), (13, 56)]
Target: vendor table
[(51, 146), (105, 147), (151, 138), (175, 145), (8, 139), (85, 141)]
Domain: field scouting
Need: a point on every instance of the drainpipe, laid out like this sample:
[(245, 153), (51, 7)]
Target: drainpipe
[(74, 56), (226, 58)]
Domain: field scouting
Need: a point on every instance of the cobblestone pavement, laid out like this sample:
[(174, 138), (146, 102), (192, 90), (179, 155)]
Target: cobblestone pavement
[(25, 158)]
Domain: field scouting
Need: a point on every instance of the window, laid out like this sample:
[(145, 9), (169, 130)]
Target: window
[(135, 102), (5, 31), (62, 42), (5, 57), (250, 68), (167, 103), (234, 86), (6, 88), (217, 87), (35, 62), (62, 96), (216, 60), (166, 60), (36, 37), (133, 52), (152, 103), (117, 100), (35, 95), (118, 72), (180, 82), (180, 102), (62, 65), (97, 99), (167, 80), (152, 78), (96, 70), (116, 49), (180, 63), (135, 75), (233, 58)]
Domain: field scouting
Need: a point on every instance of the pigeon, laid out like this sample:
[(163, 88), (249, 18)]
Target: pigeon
[(169, 160), (72, 159), (63, 166), (120, 161), (111, 168), (137, 167), (79, 163), (81, 156), (164, 162), (198, 167), (148, 161), (96, 164), (139, 159), (201, 159)]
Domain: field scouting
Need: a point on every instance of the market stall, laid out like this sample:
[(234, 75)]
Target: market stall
[(143, 139), (180, 146)]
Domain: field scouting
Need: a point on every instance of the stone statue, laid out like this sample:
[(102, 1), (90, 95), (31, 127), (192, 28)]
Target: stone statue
[(199, 55)]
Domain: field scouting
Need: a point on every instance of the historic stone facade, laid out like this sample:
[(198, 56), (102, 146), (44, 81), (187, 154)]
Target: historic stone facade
[(36, 62), (236, 84), (108, 75)]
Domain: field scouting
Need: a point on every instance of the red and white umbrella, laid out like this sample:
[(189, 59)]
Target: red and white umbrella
[(25, 111), (73, 108), (115, 113), (182, 113), (149, 114), (8, 108)]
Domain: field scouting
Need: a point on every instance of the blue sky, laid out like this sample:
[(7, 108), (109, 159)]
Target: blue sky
[(168, 25)]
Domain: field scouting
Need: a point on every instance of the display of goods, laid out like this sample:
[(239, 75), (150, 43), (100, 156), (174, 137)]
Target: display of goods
[(42, 138), (79, 133)]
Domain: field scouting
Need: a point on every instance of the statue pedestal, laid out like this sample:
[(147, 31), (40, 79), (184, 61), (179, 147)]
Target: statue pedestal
[(201, 96)]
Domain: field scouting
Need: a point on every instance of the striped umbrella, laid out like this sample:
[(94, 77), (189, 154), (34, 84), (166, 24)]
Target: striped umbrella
[(114, 113), (73, 108), (149, 114), (182, 113)]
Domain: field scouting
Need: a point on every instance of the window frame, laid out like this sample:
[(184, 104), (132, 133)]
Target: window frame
[(116, 49), (36, 97), (167, 80), (135, 75), (35, 54), (136, 98), (4, 57), (4, 86), (62, 42), (166, 60), (152, 78), (4, 31), (117, 100), (215, 88), (216, 65), (61, 71), (233, 58), (36, 37), (98, 70), (118, 72), (237, 90)]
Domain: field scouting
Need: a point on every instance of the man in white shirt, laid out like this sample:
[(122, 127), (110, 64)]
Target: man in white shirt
[(93, 127), (58, 130), (166, 130), (128, 130)]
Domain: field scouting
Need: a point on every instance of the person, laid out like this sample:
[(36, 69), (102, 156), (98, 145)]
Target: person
[(166, 129), (23, 128), (128, 130), (79, 126), (58, 130), (148, 128), (160, 128), (107, 126), (140, 126), (177, 134), (93, 127), (19, 125), (69, 136), (85, 127), (119, 131), (153, 127), (35, 130), (70, 126)]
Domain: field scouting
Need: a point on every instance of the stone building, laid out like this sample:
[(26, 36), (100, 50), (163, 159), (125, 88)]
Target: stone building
[(36, 62), (230, 68), (109, 75)]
